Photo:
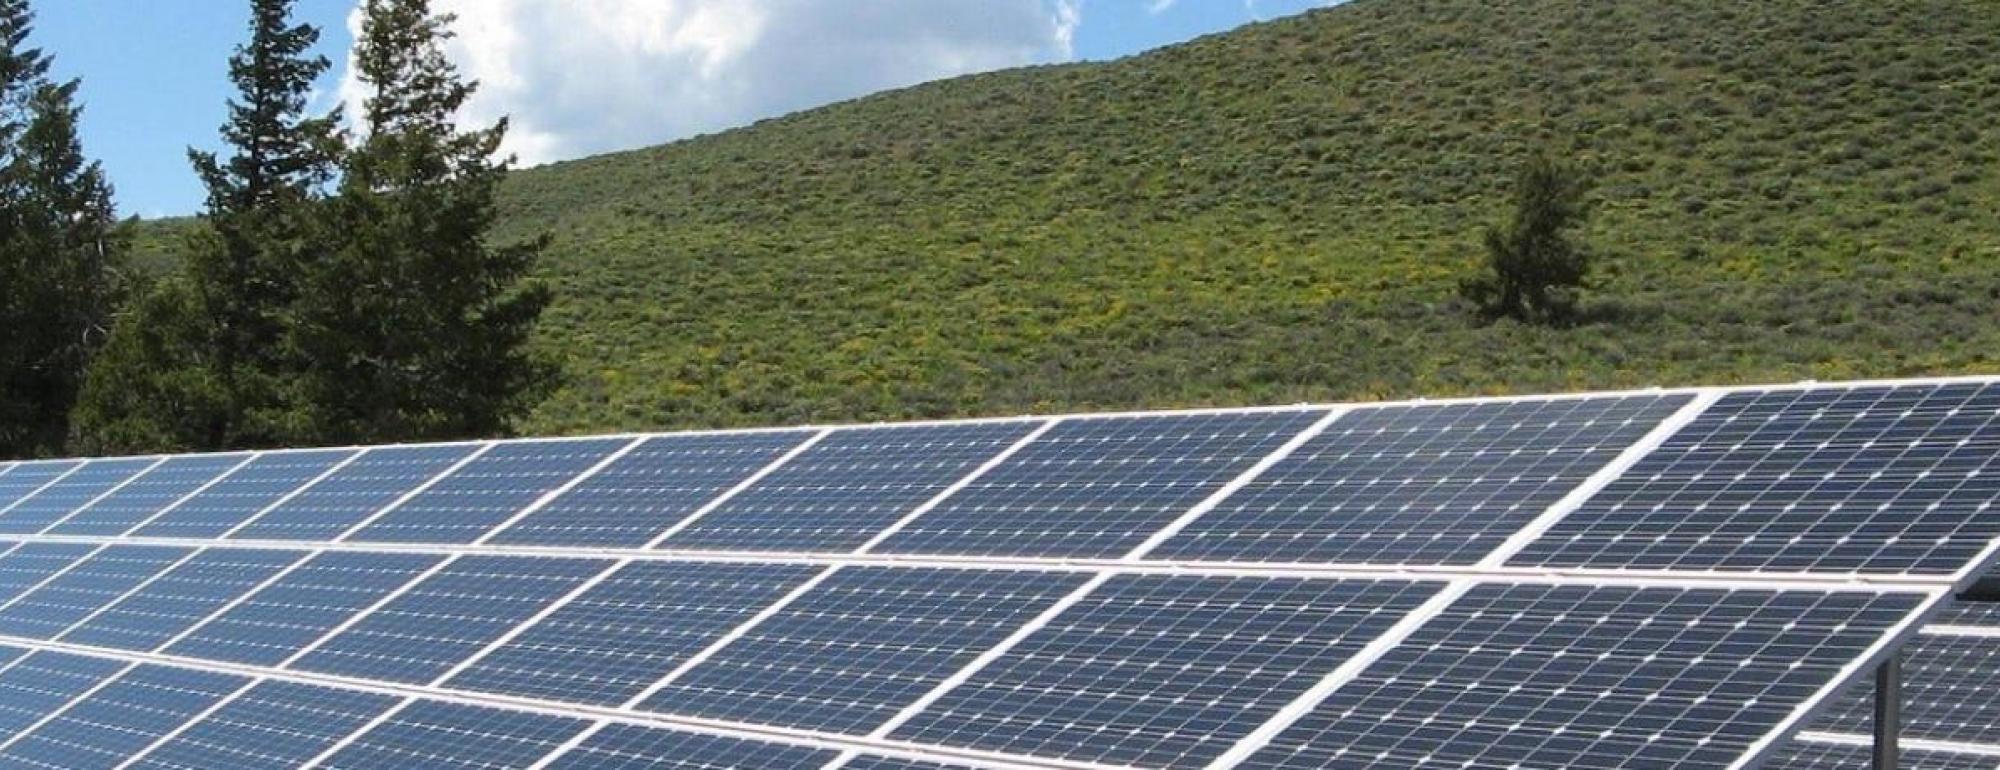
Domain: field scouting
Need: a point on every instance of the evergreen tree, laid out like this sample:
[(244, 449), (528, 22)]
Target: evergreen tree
[(415, 327), (221, 382), (58, 246), (1534, 269)]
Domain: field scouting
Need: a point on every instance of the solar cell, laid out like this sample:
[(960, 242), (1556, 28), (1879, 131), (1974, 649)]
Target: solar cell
[(85, 587), (446, 618), (1800, 755), (34, 687), (850, 486), (103, 730), (625, 747), (28, 565), (230, 502), (445, 736), (629, 630), (348, 496), (180, 598), (871, 762), (1580, 676), (1161, 671), (274, 724), (146, 495), (1098, 487), (312, 599), (1951, 692), (1442, 484), (25, 478), (650, 490), (847, 655), (1871, 479), (486, 492), (63, 496)]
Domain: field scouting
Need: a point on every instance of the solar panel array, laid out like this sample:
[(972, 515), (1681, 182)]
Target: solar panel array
[(1642, 579)]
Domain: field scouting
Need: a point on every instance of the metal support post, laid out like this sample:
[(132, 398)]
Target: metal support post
[(1888, 711)]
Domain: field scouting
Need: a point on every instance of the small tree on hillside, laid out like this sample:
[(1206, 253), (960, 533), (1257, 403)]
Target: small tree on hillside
[(416, 327), (1534, 269)]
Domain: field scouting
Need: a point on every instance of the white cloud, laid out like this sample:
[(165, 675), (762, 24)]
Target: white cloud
[(1160, 6), (587, 76)]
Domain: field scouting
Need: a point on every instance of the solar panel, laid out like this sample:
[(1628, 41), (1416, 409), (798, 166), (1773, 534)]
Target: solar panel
[(332, 505), (1839, 756), (446, 617), (852, 652), (279, 620), (1164, 671), (462, 506), (35, 686), (147, 495), (273, 724), (1420, 484), (443, 736), (1650, 579), (1099, 487), (83, 588), (67, 492), (629, 630), (102, 730), (628, 747), (235, 498), (846, 489), (1876, 479), (650, 490), (1579, 676), (177, 599)]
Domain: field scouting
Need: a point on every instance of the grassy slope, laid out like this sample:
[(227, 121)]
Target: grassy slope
[(1787, 189)]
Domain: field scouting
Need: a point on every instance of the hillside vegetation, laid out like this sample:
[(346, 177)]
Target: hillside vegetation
[(1783, 190)]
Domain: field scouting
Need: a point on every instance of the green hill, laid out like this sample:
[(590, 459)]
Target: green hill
[(1785, 189)]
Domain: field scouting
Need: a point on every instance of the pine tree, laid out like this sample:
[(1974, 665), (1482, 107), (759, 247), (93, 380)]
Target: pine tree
[(416, 328), (58, 246), (1534, 269), (221, 382)]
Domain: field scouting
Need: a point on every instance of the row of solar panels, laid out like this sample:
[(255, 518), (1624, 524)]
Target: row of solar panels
[(1131, 670), (1951, 703), (1877, 480), (1013, 661)]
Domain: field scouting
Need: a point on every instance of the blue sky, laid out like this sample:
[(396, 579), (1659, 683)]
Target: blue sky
[(623, 74)]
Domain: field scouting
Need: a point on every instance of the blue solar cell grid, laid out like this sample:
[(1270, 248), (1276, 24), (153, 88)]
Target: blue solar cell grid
[(180, 598), (1153, 671), (1571, 676), (443, 736), (36, 512), (850, 653), (486, 492), (29, 564), (100, 732), (350, 495), (1951, 692), (34, 687), (448, 617), (1873, 480), (274, 724), (232, 501), (23, 479), (1099, 487), (1800, 755), (146, 495), (1441, 484), (650, 490), (625, 747), (88, 586), (870, 762), (840, 493), (629, 630), (307, 602)]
